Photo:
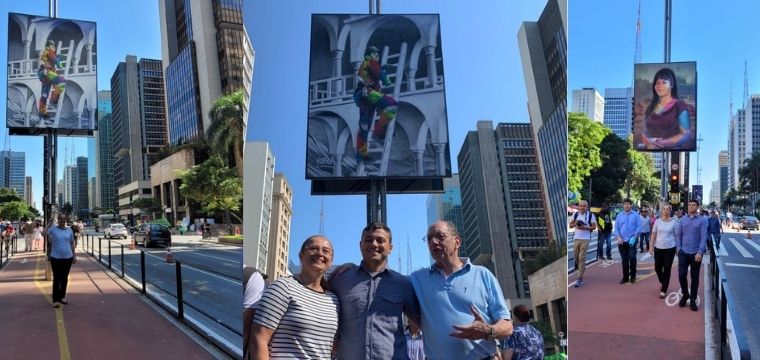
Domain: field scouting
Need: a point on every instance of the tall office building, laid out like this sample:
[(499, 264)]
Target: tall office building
[(70, 187), (60, 189), (736, 147), (618, 111), (13, 171), (752, 126), (29, 196), (258, 181), (83, 188), (715, 193), (543, 50), (92, 193), (206, 53), (105, 193), (139, 123), (723, 163), (447, 206), (590, 102), (279, 228)]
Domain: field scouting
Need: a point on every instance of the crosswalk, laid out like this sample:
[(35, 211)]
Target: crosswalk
[(734, 246)]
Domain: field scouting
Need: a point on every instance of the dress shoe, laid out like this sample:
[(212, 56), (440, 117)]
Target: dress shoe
[(623, 281), (633, 280), (56, 305), (682, 303), (64, 302), (693, 305)]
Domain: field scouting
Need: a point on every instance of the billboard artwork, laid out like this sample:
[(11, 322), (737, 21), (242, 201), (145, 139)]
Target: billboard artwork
[(52, 77), (665, 107), (377, 105)]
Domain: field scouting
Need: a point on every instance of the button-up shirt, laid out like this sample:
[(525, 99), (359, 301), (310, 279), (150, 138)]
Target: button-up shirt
[(627, 225), (446, 302), (713, 225), (693, 234), (371, 326)]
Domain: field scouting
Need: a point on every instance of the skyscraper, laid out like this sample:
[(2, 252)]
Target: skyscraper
[(736, 147), (29, 197), (257, 201), (752, 126), (279, 228), (543, 50), (723, 171), (70, 188), (618, 111), (13, 171), (83, 189), (590, 102), (447, 206), (105, 194), (139, 124), (202, 43)]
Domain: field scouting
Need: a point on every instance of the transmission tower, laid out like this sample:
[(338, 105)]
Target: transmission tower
[(408, 257), (637, 52), (322, 218), (745, 94)]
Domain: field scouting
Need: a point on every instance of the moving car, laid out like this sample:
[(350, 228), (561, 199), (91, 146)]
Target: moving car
[(153, 234), (115, 230), (750, 223)]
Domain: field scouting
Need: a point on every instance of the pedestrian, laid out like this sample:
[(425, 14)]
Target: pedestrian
[(37, 244), (584, 223), (526, 342), (464, 311), (691, 248), (604, 222), (665, 235), (714, 229), (297, 315), (644, 231), (62, 247), (28, 230), (373, 299), (626, 231), (254, 287), (414, 342)]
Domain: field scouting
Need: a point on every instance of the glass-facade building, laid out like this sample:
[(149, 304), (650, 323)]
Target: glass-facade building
[(83, 191), (447, 206), (105, 193), (13, 171), (182, 98)]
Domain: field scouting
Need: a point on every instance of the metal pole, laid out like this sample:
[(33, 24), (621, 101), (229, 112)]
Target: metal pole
[(142, 270), (180, 302), (100, 249), (109, 254), (122, 261), (377, 7)]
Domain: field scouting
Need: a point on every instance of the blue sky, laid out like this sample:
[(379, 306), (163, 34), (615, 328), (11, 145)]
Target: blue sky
[(123, 28), (602, 38), (484, 81)]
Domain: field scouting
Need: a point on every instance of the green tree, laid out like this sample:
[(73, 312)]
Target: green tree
[(67, 209), (149, 205), (14, 210), (583, 156), (227, 129), (749, 173), (8, 195), (641, 183), (607, 180), (214, 185), (34, 213)]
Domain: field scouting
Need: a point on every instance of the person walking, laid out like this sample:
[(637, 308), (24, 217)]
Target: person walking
[(604, 220), (626, 231), (37, 242), (584, 223), (62, 245), (714, 230), (691, 248), (28, 230), (665, 235), (644, 231)]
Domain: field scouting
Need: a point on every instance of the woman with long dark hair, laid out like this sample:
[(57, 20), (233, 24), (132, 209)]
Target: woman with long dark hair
[(666, 121)]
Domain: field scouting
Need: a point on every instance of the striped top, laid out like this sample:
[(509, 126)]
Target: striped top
[(304, 321)]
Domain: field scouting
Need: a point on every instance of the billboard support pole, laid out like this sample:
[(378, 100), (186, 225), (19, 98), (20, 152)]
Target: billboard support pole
[(674, 157), (50, 144)]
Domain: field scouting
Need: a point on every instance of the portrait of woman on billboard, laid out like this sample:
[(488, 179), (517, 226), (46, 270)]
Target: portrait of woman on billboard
[(667, 121)]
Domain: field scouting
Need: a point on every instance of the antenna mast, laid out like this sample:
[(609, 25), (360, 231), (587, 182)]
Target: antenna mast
[(322, 218)]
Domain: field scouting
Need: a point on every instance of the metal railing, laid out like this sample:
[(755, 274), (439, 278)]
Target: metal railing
[(733, 344), (142, 284)]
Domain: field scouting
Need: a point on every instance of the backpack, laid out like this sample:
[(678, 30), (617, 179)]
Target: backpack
[(589, 218)]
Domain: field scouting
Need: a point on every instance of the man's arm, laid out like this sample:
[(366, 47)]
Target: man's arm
[(593, 223)]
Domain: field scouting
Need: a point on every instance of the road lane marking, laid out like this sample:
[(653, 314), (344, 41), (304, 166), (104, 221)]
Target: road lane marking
[(743, 265), (741, 248), (722, 251), (63, 341), (754, 245)]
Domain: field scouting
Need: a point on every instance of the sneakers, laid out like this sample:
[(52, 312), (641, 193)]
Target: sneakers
[(693, 305), (56, 305), (609, 257), (579, 282), (662, 294), (633, 280), (623, 281), (684, 298), (64, 302)]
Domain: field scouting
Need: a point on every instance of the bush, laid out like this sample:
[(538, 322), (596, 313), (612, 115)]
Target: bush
[(162, 221)]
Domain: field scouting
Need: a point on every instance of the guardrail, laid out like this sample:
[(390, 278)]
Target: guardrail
[(8, 248), (733, 345), (141, 284)]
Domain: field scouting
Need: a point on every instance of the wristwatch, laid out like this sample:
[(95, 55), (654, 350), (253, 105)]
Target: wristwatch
[(491, 334)]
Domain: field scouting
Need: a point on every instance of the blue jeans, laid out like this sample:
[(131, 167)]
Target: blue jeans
[(601, 240)]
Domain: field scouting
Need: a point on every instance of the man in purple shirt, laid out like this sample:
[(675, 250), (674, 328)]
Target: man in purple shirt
[(691, 247), (626, 231)]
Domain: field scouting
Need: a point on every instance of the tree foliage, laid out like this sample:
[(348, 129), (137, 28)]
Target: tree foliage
[(583, 139), (227, 129), (607, 180), (213, 185), (641, 183), (749, 174), (67, 209), (149, 205)]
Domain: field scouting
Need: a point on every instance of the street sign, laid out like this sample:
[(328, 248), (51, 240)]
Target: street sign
[(675, 198), (562, 342)]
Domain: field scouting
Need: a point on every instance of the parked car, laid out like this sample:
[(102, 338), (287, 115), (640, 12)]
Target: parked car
[(153, 234), (736, 222), (750, 223), (115, 230)]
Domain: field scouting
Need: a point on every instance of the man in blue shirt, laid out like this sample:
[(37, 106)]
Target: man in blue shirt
[(714, 229), (691, 247), (626, 231), (526, 342), (463, 312)]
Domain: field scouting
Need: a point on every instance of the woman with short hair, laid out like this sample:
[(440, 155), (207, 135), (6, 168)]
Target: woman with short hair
[(665, 234)]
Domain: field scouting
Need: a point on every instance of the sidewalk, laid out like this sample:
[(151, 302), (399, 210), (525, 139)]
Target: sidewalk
[(102, 319), (609, 320)]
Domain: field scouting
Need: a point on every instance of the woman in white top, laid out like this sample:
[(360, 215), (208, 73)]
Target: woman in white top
[(296, 317), (37, 242), (665, 234)]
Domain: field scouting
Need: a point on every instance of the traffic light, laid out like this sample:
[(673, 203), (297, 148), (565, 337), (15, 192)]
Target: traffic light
[(673, 182)]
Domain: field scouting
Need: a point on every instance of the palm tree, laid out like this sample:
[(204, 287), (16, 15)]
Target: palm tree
[(749, 174), (228, 127)]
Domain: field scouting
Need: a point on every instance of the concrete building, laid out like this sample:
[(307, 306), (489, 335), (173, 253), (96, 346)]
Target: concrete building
[(723, 164), (92, 193), (70, 188), (736, 147), (128, 194), (105, 194), (83, 190), (279, 228), (139, 123), (549, 286), (715, 193), (206, 53), (165, 184), (618, 111), (60, 189), (258, 179), (590, 102), (446, 206), (13, 171), (543, 50), (28, 195), (752, 126)]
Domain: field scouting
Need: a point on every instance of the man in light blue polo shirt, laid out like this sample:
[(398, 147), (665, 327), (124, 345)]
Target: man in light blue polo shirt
[(626, 231), (463, 309)]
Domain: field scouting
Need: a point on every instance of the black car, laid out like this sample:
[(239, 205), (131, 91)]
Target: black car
[(153, 234)]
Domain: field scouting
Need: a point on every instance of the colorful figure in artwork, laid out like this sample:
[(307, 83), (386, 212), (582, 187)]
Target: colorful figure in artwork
[(370, 99), (50, 75)]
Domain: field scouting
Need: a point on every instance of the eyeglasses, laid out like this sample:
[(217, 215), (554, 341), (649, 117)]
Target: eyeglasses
[(438, 236)]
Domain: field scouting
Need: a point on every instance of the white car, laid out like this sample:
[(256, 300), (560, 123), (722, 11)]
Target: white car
[(116, 230)]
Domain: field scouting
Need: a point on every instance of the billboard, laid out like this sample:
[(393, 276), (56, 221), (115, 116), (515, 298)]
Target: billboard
[(52, 75), (665, 107), (376, 99)]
